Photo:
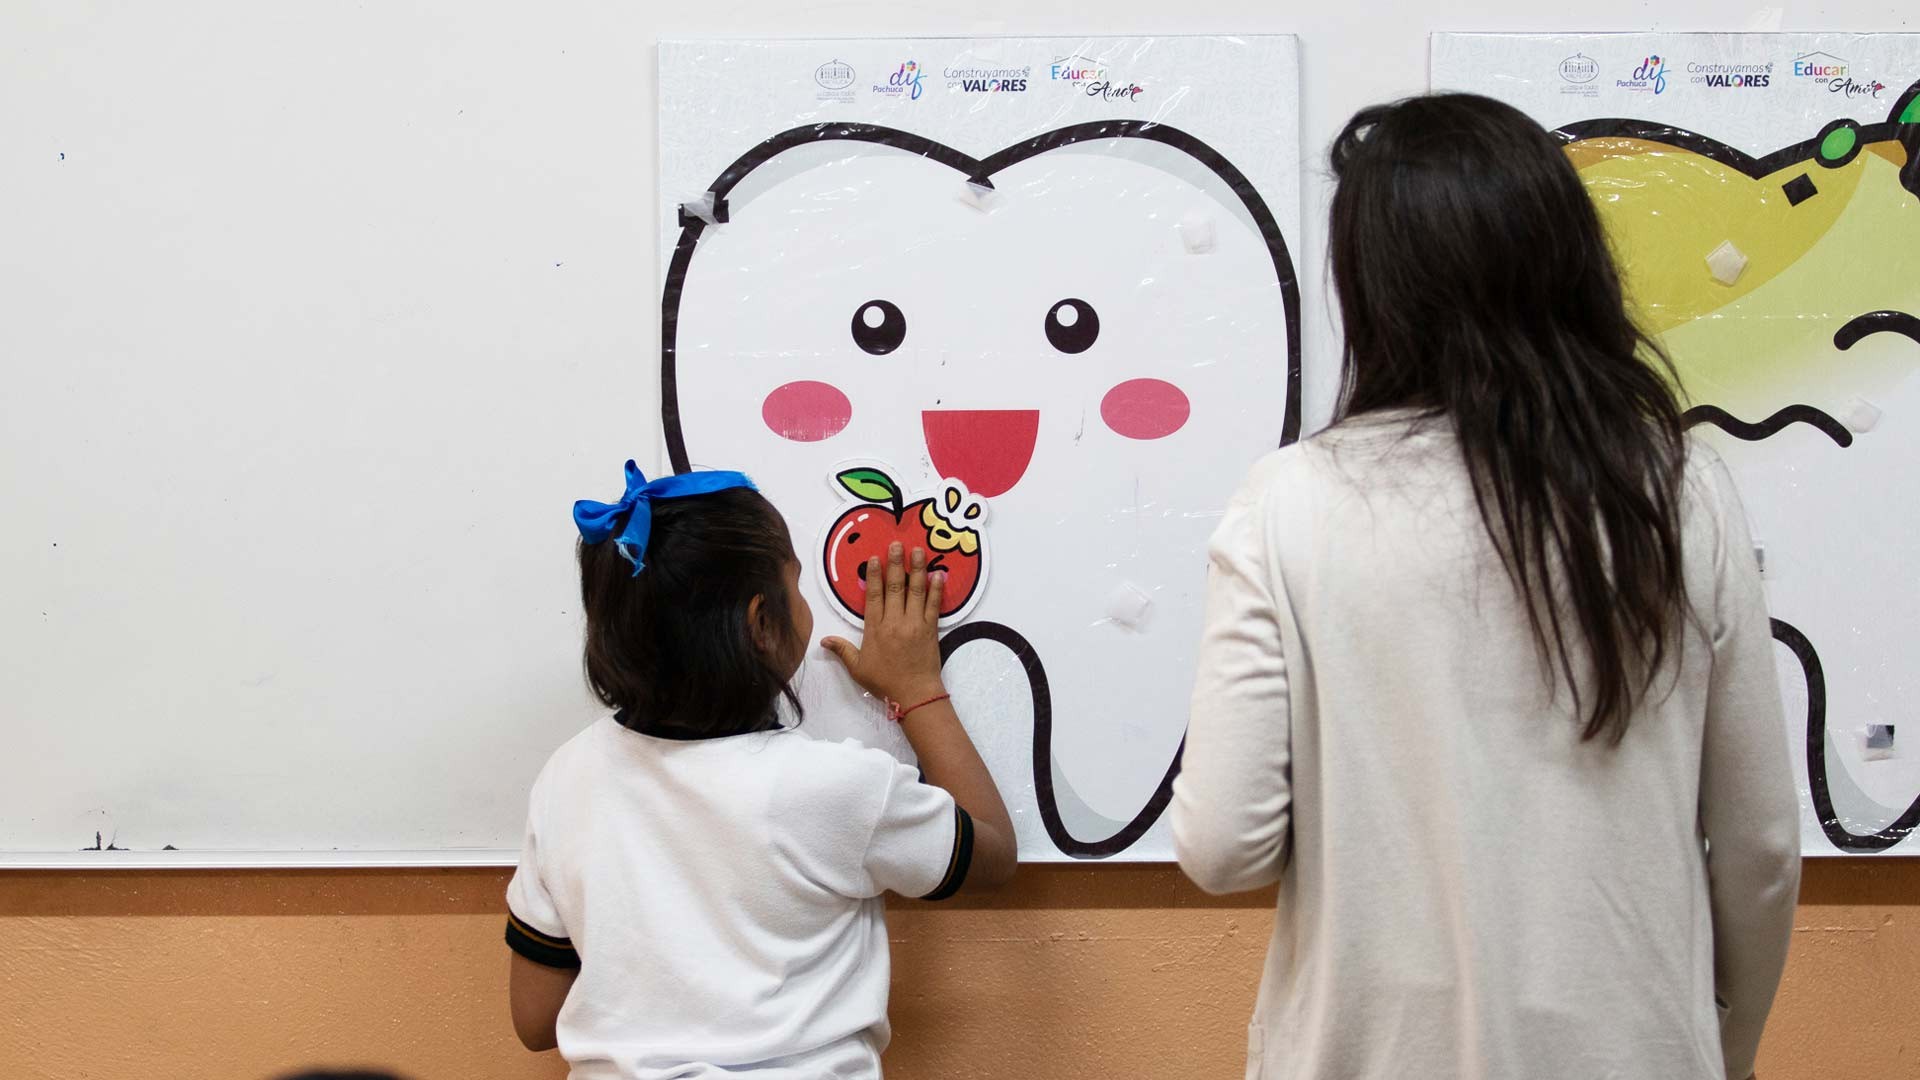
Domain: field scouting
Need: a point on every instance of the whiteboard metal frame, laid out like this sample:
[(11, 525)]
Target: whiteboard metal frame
[(474, 858), (490, 858)]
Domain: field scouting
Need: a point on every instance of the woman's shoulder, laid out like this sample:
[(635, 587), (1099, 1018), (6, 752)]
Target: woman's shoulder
[(1707, 492), (1349, 448), (1705, 472), (1282, 470)]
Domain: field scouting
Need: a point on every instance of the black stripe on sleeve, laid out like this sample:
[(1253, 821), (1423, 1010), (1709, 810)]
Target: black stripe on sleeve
[(540, 948), (962, 856)]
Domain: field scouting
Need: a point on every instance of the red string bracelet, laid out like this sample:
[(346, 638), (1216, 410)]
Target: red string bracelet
[(896, 714)]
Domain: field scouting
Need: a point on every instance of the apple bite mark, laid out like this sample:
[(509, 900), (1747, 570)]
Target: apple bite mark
[(947, 525), (953, 520)]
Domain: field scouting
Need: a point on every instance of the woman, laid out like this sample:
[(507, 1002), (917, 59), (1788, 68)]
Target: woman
[(1487, 667)]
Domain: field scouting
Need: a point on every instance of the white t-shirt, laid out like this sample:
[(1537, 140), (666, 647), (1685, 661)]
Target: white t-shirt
[(722, 899)]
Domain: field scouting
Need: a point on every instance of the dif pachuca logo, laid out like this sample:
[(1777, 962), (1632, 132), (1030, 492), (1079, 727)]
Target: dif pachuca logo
[(906, 82), (1834, 75), (1650, 77), (833, 81), (1091, 78)]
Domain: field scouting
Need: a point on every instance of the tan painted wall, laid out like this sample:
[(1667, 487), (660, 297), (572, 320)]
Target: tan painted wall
[(1076, 972)]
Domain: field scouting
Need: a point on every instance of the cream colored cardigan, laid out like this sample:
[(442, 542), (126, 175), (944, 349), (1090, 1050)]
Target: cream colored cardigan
[(1468, 890)]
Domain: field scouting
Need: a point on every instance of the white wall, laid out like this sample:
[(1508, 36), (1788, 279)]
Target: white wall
[(268, 266)]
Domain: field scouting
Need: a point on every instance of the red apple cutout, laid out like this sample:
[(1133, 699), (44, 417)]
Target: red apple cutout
[(947, 524)]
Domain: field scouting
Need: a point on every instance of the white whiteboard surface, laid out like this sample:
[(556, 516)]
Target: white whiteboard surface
[(293, 380)]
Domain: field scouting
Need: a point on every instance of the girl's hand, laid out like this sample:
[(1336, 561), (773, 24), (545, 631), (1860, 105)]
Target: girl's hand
[(898, 659)]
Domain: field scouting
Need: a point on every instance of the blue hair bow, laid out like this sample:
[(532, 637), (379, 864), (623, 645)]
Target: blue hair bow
[(599, 521)]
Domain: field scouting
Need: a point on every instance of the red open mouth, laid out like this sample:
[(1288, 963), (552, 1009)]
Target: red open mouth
[(986, 449)]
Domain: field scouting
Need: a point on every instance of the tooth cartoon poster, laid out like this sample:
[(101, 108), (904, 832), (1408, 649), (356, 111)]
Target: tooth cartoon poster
[(1763, 193), (1028, 303)]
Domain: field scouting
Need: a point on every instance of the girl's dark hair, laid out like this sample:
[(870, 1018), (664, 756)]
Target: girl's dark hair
[(674, 646), (1476, 284)]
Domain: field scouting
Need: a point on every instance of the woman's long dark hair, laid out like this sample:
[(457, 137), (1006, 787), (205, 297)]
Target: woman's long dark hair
[(1476, 285)]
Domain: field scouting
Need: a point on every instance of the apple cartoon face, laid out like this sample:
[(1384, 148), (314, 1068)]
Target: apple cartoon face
[(949, 525), (1789, 359), (1095, 331)]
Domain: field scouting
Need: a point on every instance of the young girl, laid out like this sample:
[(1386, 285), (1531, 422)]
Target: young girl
[(699, 894)]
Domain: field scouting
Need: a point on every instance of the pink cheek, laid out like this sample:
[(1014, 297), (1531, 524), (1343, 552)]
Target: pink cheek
[(806, 411), (1145, 409)]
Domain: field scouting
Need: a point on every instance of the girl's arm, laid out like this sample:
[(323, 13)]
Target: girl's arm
[(536, 992), (949, 760), (898, 660)]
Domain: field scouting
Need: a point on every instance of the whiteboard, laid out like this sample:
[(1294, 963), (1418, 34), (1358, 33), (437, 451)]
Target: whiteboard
[(293, 380), (1785, 153)]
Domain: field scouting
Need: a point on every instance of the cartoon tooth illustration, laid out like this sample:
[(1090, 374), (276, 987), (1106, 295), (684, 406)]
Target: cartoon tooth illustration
[(1821, 323), (1059, 352)]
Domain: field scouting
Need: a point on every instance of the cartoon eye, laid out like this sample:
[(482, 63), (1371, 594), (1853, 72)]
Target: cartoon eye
[(1072, 325), (879, 327), (1838, 143)]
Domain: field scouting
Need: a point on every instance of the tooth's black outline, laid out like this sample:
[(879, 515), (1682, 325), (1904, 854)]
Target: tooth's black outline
[(1757, 168), (977, 171), (1818, 786), (1037, 687), (980, 173)]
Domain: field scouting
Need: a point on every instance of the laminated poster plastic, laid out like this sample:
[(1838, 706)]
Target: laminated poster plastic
[(1763, 196), (1028, 303)]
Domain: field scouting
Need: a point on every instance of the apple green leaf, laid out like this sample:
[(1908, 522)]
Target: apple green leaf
[(870, 484)]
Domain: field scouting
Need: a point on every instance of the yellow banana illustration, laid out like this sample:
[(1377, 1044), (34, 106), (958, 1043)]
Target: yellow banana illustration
[(1786, 289)]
